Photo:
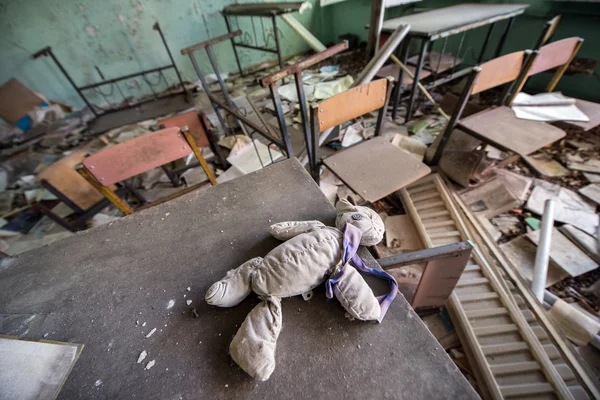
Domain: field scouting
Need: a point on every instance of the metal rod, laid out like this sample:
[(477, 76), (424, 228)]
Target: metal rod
[(485, 43), (207, 91), (398, 89), (212, 41), (503, 38), (248, 122), (437, 67), (460, 44), (382, 55), (156, 27), (281, 120), (405, 69), (48, 51), (413, 91), (313, 158), (375, 23), (383, 109), (276, 34), (303, 64), (215, 68), (303, 111), (249, 46), (462, 102), (540, 269), (235, 53), (124, 77)]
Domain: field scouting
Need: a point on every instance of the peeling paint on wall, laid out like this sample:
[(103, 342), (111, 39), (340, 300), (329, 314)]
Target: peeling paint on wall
[(91, 30)]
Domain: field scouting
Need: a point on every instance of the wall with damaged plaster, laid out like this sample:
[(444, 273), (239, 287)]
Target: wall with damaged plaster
[(579, 19), (117, 37)]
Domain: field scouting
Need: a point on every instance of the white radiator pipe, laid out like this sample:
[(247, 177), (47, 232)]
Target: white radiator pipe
[(540, 269)]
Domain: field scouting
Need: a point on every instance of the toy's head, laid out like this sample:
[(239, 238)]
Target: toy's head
[(365, 219)]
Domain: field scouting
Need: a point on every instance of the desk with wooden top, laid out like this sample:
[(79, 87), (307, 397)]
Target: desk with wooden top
[(444, 22), (108, 287)]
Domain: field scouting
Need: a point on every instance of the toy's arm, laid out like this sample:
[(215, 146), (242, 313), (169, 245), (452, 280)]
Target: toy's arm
[(289, 229), (355, 295)]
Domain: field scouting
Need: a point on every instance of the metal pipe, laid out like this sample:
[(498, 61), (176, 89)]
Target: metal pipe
[(156, 27), (124, 77), (237, 58), (540, 269), (503, 38), (367, 74), (212, 41), (304, 33), (485, 43), (281, 120), (413, 91), (276, 34), (251, 47)]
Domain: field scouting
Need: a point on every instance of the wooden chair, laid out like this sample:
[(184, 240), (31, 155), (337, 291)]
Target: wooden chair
[(559, 55), (199, 127), (374, 168), (497, 126), (70, 188), (138, 155)]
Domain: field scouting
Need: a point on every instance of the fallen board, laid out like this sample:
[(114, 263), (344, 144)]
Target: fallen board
[(592, 192), (100, 286), (34, 370), (499, 127), (400, 233), (565, 254), (521, 253), (376, 168), (506, 354)]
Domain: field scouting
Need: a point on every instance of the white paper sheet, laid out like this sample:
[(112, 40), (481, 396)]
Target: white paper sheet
[(547, 107), (247, 160)]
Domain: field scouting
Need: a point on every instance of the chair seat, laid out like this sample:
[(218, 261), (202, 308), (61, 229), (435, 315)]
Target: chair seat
[(499, 127), (376, 168), (592, 110)]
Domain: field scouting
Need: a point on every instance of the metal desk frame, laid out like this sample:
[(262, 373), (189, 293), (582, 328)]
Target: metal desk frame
[(47, 51), (246, 125), (260, 11), (425, 46)]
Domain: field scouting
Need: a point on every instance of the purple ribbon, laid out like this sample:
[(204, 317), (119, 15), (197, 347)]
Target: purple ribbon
[(352, 236)]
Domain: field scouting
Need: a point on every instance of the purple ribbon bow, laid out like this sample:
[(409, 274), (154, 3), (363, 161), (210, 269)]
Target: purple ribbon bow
[(352, 236)]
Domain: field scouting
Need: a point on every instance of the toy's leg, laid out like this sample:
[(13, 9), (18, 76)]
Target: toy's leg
[(253, 347), (356, 296), (235, 287)]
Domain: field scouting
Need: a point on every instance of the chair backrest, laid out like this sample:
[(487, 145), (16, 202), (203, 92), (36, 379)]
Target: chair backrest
[(555, 54), (191, 119), (499, 71), (351, 104), (138, 155)]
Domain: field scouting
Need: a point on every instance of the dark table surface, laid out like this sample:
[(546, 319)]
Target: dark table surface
[(94, 288), (459, 17)]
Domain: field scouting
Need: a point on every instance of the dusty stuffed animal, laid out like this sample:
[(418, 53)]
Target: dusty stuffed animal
[(313, 253)]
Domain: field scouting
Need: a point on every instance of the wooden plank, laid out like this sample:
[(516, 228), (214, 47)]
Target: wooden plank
[(541, 316), (138, 155), (527, 390), (361, 167), (565, 254), (16, 100), (499, 71), (521, 252), (351, 104), (62, 176), (592, 192), (509, 312), (499, 127)]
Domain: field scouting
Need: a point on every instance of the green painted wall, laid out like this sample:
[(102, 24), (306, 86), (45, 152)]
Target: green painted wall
[(579, 19), (117, 36)]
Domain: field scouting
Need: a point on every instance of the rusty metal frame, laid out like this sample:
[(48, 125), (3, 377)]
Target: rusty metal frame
[(271, 81), (450, 257), (258, 10), (47, 52)]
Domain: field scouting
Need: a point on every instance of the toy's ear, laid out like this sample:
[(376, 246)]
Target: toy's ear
[(368, 221), (344, 206)]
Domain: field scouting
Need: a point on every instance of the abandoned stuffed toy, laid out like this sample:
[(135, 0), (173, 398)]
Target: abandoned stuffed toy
[(313, 253)]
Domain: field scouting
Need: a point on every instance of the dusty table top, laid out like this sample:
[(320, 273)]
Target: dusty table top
[(108, 287), (455, 18)]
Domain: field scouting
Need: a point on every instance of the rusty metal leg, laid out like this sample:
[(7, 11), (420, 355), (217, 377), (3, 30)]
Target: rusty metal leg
[(485, 43), (503, 38), (276, 35), (398, 88), (237, 58), (281, 120), (414, 89)]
